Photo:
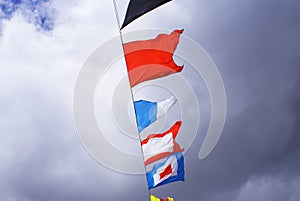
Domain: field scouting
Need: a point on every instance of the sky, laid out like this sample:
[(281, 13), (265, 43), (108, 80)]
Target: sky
[(256, 47)]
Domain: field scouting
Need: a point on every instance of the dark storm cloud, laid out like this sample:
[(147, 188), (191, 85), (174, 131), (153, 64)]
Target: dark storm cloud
[(256, 47), (270, 188)]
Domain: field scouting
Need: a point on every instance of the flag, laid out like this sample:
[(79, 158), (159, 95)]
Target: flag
[(153, 198), (137, 8), (158, 146), (171, 170), (152, 59), (147, 112)]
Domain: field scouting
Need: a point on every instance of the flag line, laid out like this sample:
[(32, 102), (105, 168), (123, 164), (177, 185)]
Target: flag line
[(121, 37)]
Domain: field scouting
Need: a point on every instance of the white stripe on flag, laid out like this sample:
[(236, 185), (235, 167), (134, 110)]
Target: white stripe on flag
[(164, 105), (155, 146)]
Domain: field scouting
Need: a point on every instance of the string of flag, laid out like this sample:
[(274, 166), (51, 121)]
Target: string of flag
[(148, 60)]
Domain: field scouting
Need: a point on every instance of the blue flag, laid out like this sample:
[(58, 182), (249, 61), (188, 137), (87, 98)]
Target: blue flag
[(147, 112)]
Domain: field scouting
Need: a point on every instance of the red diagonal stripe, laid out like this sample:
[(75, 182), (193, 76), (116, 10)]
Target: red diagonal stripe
[(166, 172), (174, 129)]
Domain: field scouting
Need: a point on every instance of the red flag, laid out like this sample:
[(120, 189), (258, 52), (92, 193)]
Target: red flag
[(152, 59)]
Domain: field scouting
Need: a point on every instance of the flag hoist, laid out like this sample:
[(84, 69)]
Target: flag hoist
[(147, 60)]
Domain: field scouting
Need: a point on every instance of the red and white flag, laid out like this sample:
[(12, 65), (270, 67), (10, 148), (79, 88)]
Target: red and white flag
[(158, 146)]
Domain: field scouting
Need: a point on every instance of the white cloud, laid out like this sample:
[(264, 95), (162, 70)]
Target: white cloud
[(39, 147)]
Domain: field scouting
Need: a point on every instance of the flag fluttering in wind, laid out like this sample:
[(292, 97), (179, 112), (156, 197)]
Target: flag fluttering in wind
[(159, 146), (152, 59), (147, 112), (153, 198), (171, 170), (137, 8)]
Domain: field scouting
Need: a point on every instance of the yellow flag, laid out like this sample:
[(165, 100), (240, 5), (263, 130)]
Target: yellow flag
[(153, 198)]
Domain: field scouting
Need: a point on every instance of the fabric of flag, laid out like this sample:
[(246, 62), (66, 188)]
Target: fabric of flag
[(159, 146), (152, 59), (147, 112), (137, 8), (171, 170), (153, 198)]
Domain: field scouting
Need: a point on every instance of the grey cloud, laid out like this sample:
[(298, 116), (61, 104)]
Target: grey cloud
[(256, 49)]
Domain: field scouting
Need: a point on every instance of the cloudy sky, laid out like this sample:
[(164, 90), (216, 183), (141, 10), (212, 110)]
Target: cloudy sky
[(256, 47)]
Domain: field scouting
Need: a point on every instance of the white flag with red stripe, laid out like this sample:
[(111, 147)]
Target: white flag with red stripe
[(159, 146)]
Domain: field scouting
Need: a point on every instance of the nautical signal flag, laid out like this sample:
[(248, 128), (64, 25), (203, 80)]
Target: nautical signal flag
[(159, 146), (171, 170), (147, 112), (152, 59), (137, 8), (153, 198)]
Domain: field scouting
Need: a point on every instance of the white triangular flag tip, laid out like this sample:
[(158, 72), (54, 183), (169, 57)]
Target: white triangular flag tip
[(164, 105)]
